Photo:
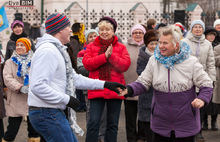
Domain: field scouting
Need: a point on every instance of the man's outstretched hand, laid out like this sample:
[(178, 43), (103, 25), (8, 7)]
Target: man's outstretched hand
[(114, 86)]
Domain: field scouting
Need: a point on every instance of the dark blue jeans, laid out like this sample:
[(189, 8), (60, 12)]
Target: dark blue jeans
[(113, 113), (52, 124)]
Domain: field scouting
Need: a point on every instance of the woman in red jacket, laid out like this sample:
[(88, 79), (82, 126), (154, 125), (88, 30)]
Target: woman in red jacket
[(105, 59)]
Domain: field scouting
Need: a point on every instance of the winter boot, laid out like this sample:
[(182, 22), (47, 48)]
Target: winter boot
[(205, 123), (37, 139), (214, 123), (199, 137)]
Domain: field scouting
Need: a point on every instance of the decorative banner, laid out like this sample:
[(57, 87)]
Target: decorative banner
[(3, 19)]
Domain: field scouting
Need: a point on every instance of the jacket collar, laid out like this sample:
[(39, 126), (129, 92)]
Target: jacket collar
[(193, 39), (132, 42)]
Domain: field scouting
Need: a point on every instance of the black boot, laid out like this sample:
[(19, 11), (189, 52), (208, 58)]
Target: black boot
[(205, 123), (214, 123), (199, 137)]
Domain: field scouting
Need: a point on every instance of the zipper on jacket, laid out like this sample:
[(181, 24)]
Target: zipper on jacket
[(171, 113), (197, 49)]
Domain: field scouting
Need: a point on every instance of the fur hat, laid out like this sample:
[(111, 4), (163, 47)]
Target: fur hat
[(210, 29), (55, 23), (144, 26), (200, 22), (17, 22), (26, 42), (110, 20), (150, 35), (217, 22)]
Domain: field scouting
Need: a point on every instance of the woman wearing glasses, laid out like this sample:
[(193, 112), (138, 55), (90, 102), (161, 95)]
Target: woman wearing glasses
[(131, 104)]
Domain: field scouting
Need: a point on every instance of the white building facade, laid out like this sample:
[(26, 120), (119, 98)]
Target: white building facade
[(126, 12)]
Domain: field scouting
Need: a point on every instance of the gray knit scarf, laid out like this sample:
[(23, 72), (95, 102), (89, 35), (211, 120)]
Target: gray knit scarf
[(70, 89)]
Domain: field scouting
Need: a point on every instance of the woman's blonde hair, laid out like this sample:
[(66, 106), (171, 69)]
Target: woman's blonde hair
[(174, 31), (105, 24)]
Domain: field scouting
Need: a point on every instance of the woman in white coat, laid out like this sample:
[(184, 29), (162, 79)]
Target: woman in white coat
[(203, 50), (173, 73)]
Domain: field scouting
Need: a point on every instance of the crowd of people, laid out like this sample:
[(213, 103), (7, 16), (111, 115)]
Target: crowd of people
[(167, 78)]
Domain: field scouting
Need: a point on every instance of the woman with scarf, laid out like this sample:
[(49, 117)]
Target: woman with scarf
[(105, 59), (202, 49), (173, 73), (18, 32), (77, 41), (133, 46), (16, 78)]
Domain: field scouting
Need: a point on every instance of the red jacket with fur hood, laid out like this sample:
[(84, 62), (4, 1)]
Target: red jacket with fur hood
[(119, 60)]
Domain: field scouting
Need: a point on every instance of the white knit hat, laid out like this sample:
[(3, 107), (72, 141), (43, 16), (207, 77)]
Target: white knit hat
[(200, 22), (90, 31), (217, 22)]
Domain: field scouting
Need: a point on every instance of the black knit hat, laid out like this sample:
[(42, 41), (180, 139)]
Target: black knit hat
[(210, 29), (150, 35), (110, 20)]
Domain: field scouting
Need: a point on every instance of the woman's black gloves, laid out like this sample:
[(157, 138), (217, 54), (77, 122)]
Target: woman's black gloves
[(73, 103), (113, 86)]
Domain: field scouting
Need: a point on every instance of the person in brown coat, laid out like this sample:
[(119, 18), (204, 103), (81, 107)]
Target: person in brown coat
[(76, 44), (133, 46), (16, 79)]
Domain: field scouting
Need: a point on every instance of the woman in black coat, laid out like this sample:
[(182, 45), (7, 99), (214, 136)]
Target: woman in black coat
[(144, 102)]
